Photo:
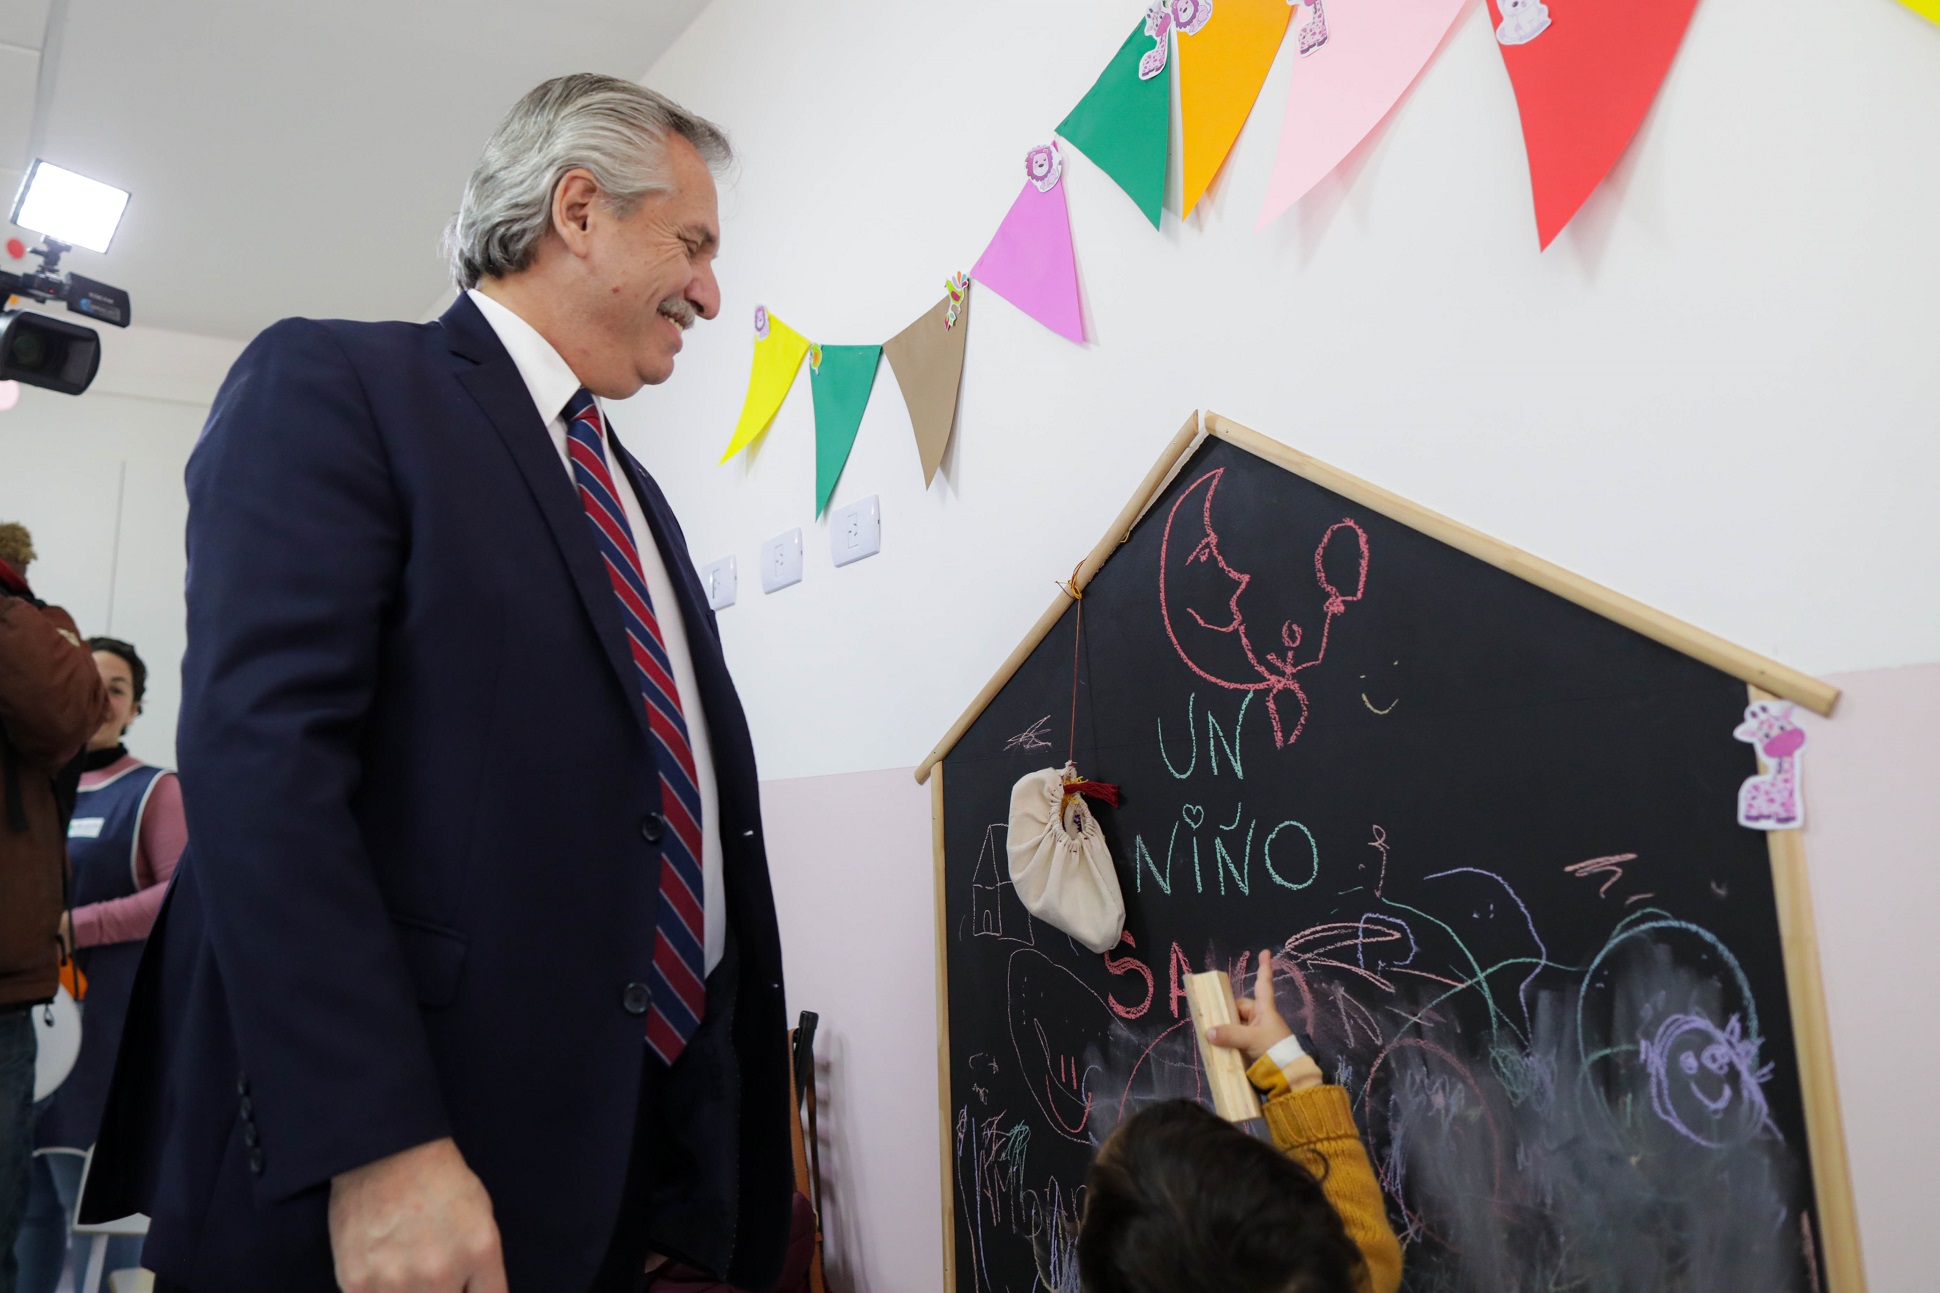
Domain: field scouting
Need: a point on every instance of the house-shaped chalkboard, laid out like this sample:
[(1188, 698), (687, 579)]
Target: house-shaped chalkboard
[(1484, 814)]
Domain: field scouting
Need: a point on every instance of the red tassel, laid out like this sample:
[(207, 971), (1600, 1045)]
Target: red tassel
[(1098, 790)]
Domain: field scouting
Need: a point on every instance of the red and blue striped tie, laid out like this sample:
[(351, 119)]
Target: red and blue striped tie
[(679, 994)]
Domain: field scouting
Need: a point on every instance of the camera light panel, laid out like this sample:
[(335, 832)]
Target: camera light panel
[(70, 208)]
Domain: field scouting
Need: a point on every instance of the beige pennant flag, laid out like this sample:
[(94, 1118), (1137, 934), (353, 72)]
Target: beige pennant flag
[(927, 358)]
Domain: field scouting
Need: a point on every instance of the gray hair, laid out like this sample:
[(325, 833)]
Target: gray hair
[(615, 129)]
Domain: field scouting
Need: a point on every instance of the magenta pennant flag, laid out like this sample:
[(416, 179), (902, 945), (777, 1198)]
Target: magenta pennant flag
[(1030, 262), (1346, 81)]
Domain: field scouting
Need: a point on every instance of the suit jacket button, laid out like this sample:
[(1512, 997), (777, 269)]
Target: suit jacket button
[(248, 1109), (256, 1162), (635, 998), (652, 827), (251, 1137), (242, 1085)]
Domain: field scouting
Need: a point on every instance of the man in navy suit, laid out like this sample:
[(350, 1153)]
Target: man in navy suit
[(470, 978)]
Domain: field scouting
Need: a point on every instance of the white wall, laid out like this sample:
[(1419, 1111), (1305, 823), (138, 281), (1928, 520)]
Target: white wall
[(98, 479), (1716, 391)]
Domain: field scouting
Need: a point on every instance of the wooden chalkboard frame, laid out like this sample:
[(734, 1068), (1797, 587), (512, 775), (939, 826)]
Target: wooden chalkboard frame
[(1765, 679)]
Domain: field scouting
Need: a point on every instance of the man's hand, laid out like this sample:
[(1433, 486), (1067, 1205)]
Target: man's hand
[(416, 1222), (1260, 1025)]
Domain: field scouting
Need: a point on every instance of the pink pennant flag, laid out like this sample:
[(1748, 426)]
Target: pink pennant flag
[(1030, 262), (1344, 86)]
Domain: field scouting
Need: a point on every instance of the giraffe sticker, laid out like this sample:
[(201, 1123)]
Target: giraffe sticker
[(1771, 801)]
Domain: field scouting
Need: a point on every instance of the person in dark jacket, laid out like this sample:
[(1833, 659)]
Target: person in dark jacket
[(470, 976), (51, 701), (125, 838)]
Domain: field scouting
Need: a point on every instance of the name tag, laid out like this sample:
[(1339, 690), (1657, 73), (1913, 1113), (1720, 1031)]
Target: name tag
[(85, 828)]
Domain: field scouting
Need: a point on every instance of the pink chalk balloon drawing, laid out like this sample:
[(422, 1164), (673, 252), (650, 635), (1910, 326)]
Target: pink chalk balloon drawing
[(1771, 801), (1200, 594)]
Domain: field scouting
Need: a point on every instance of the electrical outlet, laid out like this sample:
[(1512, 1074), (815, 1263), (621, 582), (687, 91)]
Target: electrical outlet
[(781, 561), (719, 580), (855, 531)]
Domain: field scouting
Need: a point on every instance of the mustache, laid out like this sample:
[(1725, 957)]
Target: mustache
[(680, 310)]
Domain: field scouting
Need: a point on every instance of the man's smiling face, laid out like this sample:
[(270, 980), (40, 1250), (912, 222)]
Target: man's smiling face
[(650, 276)]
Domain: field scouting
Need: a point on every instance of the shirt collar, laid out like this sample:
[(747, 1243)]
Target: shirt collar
[(548, 378)]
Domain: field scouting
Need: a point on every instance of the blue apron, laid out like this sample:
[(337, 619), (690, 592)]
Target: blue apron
[(101, 844)]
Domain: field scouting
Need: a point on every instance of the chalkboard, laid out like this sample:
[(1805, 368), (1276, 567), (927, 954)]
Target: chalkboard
[(1490, 837)]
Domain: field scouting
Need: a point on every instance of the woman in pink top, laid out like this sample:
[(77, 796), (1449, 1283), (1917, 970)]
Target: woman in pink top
[(126, 836)]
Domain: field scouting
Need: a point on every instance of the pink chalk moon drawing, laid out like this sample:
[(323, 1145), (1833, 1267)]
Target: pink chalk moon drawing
[(1200, 594)]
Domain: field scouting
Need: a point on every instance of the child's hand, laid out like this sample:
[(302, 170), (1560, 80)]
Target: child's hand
[(1260, 1025)]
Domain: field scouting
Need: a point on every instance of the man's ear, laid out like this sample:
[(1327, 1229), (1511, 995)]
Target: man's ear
[(572, 208)]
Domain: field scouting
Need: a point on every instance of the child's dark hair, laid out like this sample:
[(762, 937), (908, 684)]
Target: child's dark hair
[(1181, 1201), (137, 671)]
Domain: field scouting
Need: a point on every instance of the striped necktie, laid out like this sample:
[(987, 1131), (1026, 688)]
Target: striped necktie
[(679, 994)]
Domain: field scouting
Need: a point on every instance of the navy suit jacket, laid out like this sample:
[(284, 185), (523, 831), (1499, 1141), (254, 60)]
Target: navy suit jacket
[(421, 801)]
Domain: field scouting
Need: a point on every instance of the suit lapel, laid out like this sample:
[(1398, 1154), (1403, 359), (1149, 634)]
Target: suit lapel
[(493, 382)]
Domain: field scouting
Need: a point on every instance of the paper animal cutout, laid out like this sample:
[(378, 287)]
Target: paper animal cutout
[(1522, 21), (1313, 32), (1158, 25), (1044, 165), (957, 285), (1771, 801)]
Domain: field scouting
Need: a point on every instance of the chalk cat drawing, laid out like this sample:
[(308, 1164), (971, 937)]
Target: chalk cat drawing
[(1522, 21), (1771, 800)]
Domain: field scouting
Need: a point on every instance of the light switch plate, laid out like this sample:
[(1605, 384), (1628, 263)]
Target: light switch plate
[(855, 531), (781, 561), (719, 580)]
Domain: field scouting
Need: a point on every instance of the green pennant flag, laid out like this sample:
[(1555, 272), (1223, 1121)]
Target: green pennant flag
[(841, 377), (1124, 123)]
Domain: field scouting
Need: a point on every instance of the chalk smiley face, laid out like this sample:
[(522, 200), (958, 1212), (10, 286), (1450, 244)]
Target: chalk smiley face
[(1054, 1020), (1705, 1081), (1387, 689)]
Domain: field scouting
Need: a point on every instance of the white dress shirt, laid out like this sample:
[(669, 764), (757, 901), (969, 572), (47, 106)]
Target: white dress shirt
[(552, 384)]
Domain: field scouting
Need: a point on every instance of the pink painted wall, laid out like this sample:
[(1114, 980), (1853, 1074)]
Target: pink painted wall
[(851, 862), (1875, 865), (852, 872)]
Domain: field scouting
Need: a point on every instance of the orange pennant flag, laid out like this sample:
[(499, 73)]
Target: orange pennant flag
[(1222, 66)]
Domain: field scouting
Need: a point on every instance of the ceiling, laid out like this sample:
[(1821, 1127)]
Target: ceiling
[(288, 159)]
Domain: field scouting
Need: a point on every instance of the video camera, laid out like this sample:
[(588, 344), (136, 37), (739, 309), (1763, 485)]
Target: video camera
[(68, 210)]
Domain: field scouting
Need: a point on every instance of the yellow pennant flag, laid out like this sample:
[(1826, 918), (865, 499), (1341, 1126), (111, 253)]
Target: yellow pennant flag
[(1222, 66), (1931, 8), (778, 351)]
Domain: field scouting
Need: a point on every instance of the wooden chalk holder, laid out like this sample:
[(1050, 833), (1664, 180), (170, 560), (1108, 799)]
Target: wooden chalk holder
[(1210, 996)]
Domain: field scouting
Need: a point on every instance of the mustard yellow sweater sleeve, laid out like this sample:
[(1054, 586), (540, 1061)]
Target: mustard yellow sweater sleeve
[(1315, 1127)]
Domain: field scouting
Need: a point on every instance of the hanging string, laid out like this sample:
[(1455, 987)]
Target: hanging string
[(1077, 641), (1074, 785)]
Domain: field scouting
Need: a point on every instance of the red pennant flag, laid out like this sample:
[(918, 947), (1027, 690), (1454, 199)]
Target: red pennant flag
[(1585, 73)]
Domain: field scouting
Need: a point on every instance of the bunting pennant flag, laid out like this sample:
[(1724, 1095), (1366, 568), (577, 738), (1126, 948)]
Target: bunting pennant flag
[(1348, 84), (1583, 82), (1030, 262), (778, 351), (1124, 122), (927, 358), (1926, 8), (841, 378), (1222, 66)]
